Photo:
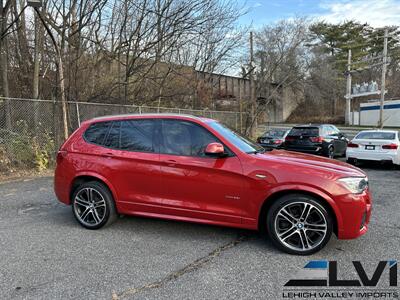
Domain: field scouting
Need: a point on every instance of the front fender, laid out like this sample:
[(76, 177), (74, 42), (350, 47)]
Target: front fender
[(293, 188)]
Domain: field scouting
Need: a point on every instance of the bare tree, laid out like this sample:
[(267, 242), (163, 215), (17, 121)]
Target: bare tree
[(128, 51), (281, 60), (4, 12)]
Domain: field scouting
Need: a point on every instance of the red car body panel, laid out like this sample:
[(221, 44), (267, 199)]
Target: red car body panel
[(229, 191)]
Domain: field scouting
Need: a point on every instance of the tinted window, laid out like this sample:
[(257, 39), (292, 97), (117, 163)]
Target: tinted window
[(185, 138), (309, 131), (137, 135), (239, 141), (112, 139), (275, 133), (376, 135), (97, 132)]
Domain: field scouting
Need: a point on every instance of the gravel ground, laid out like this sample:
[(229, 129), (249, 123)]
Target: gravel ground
[(45, 254)]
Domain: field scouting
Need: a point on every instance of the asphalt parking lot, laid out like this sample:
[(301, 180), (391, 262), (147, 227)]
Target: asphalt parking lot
[(45, 254)]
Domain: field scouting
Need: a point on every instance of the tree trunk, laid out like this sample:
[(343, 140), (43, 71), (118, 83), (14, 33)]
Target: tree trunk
[(36, 70), (4, 65), (62, 91), (60, 70)]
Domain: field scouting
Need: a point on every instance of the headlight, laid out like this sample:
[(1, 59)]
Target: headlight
[(356, 185)]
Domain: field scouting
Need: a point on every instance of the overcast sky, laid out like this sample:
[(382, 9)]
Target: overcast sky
[(377, 13)]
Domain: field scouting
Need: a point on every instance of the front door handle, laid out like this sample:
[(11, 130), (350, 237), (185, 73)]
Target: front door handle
[(108, 155), (170, 162)]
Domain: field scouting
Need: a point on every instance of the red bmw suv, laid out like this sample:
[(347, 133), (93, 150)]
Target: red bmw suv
[(196, 169)]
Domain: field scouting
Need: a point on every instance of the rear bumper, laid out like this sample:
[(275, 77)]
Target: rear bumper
[(62, 183), (367, 155), (356, 214), (271, 146), (309, 150)]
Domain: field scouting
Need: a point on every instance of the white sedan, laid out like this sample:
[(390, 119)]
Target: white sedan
[(375, 145)]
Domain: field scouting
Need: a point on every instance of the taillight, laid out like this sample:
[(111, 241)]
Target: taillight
[(317, 139), (289, 139), (278, 142), (61, 154), (390, 146), (352, 145)]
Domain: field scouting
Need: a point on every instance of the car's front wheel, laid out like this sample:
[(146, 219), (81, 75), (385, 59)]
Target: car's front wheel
[(299, 224), (331, 153), (93, 205)]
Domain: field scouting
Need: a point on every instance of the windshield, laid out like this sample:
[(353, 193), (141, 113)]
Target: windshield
[(376, 135), (236, 139), (273, 133)]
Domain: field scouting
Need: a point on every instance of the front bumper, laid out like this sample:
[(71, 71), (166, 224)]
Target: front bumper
[(356, 213)]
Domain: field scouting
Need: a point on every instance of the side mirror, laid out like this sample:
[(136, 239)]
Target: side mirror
[(214, 149)]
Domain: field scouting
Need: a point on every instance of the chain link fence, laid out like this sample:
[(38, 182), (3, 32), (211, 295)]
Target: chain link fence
[(31, 130)]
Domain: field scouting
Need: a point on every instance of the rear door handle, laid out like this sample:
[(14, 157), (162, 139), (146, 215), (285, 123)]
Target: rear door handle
[(108, 155)]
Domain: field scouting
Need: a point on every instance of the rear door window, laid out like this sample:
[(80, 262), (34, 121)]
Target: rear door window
[(137, 135), (97, 132)]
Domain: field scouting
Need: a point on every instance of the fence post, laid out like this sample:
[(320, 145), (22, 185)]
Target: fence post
[(241, 117), (77, 114), (140, 110), (236, 121)]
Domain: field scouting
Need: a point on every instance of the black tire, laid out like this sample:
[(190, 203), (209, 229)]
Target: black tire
[(104, 200), (289, 202), (331, 152)]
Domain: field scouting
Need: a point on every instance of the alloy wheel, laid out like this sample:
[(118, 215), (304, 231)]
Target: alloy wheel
[(90, 206), (300, 226)]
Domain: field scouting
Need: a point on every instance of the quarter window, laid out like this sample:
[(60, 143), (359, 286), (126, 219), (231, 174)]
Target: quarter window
[(97, 132), (112, 140)]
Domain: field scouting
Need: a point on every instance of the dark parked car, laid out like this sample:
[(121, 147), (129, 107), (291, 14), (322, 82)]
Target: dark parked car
[(273, 138), (325, 139)]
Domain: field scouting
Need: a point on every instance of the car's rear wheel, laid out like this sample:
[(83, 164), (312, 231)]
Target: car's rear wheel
[(299, 224), (93, 205)]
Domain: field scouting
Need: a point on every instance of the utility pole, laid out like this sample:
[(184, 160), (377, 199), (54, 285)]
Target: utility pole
[(253, 125), (383, 83), (348, 90)]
